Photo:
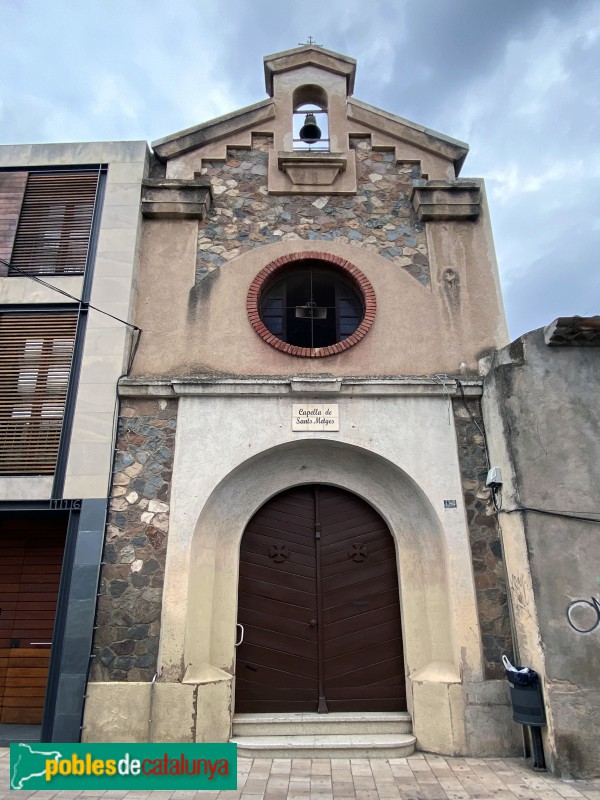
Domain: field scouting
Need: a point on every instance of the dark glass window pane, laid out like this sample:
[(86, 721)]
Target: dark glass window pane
[(314, 305), (272, 315)]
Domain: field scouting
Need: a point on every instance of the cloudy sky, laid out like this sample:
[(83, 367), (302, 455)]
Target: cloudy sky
[(519, 80)]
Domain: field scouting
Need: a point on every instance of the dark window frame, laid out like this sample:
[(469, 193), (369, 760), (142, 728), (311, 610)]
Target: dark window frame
[(52, 242), (38, 387), (276, 269), (311, 297)]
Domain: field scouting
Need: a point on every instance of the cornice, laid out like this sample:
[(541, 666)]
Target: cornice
[(176, 144), (438, 386)]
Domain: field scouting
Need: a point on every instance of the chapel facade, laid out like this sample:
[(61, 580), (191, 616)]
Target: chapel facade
[(299, 519)]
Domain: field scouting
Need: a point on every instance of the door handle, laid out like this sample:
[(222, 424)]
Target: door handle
[(313, 623), (241, 627)]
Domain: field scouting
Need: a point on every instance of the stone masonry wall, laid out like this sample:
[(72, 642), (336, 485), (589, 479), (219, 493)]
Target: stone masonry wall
[(129, 605), (379, 217), (486, 549)]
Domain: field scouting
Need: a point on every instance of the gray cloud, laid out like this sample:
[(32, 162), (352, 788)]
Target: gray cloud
[(517, 80)]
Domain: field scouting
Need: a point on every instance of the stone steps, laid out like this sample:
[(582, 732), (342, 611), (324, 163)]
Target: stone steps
[(337, 735), (333, 723)]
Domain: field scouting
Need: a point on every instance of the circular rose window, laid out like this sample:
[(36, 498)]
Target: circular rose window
[(311, 304)]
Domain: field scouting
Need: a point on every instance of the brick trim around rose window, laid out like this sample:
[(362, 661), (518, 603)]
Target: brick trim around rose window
[(281, 265)]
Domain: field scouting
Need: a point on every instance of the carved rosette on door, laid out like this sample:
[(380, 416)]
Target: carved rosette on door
[(318, 600)]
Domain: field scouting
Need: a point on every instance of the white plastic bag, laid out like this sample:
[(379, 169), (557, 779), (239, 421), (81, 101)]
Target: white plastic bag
[(509, 667)]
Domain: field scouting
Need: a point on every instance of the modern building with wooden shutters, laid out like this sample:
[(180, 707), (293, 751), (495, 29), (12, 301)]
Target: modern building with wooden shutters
[(69, 217), (299, 522)]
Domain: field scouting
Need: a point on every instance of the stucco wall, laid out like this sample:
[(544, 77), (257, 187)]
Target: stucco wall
[(438, 309), (234, 450), (438, 298), (439, 303), (543, 420)]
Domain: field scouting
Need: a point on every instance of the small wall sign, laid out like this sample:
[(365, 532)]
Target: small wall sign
[(314, 417), (449, 503)]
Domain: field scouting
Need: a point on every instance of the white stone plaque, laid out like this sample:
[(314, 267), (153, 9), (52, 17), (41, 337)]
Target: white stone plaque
[(315, 417)]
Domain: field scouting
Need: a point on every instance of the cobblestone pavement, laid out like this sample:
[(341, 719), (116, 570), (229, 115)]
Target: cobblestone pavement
[(420, 777)]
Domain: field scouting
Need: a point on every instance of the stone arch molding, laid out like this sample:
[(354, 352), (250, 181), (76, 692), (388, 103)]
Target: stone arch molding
[(209, 619)]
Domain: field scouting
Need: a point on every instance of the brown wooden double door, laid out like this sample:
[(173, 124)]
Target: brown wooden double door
[(319, 604)]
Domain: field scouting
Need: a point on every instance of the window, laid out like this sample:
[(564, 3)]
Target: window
[(311, 123), (55, 223), (311, 306), (35, 365)]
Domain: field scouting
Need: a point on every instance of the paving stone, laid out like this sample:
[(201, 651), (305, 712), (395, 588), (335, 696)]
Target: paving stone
[(319, 779)]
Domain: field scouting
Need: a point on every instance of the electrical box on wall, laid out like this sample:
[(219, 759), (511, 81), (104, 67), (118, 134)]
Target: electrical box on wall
[(494, 477)]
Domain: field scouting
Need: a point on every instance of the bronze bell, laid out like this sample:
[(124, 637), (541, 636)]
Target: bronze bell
[(310, 131)]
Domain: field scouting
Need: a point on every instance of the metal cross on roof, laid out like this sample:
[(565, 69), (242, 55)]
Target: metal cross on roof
[(310, 41)]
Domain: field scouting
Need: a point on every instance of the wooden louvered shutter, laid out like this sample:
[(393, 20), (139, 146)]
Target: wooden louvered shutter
[(36, 352), (55, 225)]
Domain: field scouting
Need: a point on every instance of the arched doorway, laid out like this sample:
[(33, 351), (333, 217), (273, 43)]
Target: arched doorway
[(318, 601)]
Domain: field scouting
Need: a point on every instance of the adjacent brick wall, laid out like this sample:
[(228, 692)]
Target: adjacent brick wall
[(486, 549), (379, 217), (129, 605)]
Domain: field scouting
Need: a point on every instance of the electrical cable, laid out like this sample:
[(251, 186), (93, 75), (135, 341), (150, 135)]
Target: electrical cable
[(66, 294), (138, 331), (494, 489), (474, 421), (551, 513), (137, 334)]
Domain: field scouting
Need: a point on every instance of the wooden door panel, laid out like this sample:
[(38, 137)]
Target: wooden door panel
[(278, 577), (263, 534), (21, 681), (339, 559), (37, 605), (360, 589), (347, 624), (380, 690), (280, 660), (284, 520), (379, 672), (298, 562), (372, 637), (32, 550), (283, 625), (276, 666), (347, 530), (277, 593), (249, 603), (37, 614), (391, 698), (261, 675), (370, 572), (294, 645), (293, 700), (22, 701)]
